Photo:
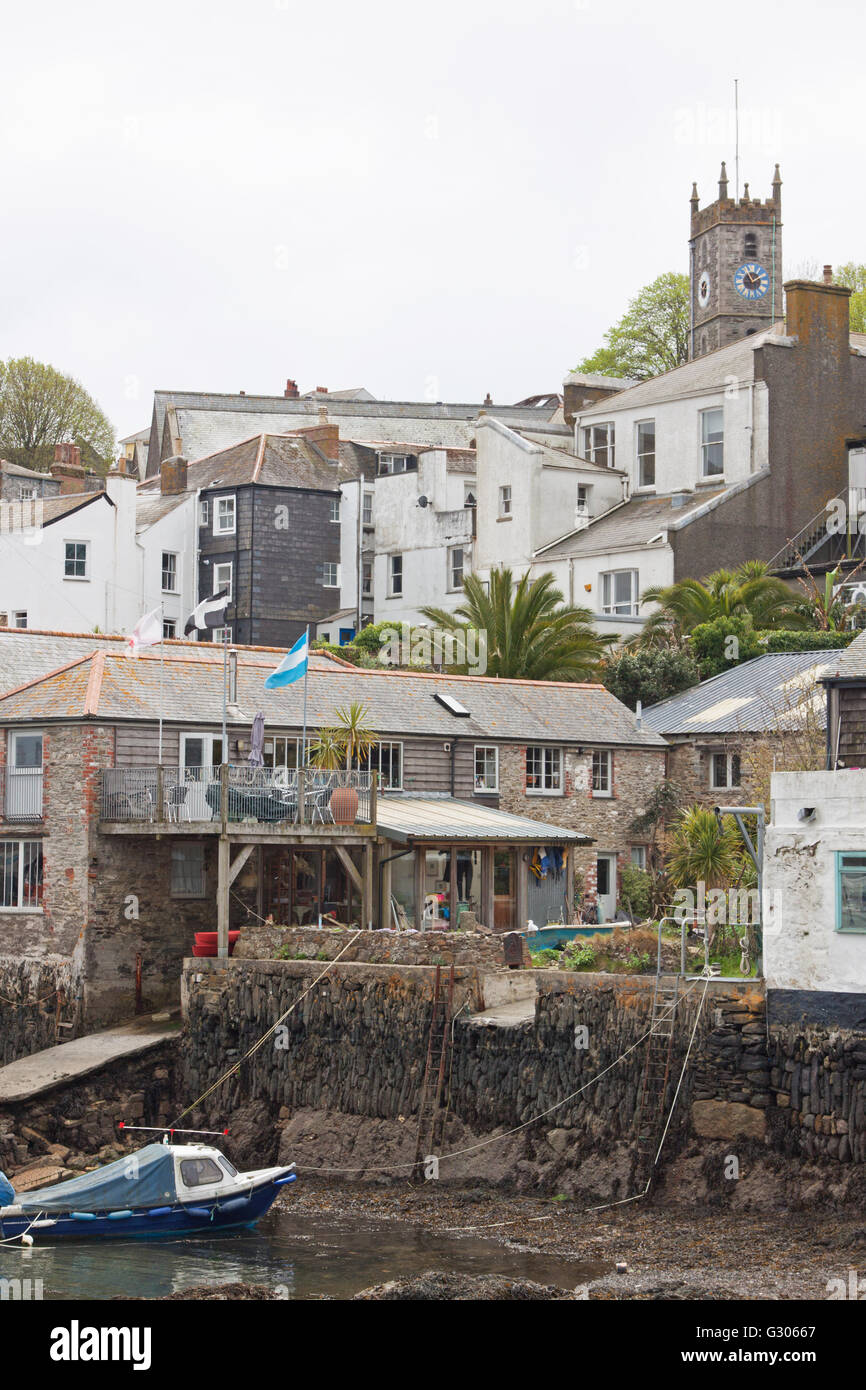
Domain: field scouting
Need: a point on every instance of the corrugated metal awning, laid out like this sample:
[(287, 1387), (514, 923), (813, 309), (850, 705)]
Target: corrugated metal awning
[(411, 818)]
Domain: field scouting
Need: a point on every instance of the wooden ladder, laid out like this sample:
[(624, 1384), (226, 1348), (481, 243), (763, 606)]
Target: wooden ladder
[(436, 1084), (657, 1068)]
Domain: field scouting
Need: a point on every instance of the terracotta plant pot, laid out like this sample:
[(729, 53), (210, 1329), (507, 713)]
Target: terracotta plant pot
[(344, 805)]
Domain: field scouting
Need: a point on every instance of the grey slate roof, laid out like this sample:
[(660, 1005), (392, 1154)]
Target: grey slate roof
[(851, 664), (27, 654), (420, 818), (267, 458), (757, 696), (707, 373), (398, 702), (633, 523)]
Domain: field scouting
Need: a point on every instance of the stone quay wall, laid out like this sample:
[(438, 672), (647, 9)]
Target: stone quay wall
[(40, 1005), (357, 1044)]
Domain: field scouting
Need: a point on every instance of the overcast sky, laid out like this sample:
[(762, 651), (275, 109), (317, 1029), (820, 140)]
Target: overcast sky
[(432, 202)]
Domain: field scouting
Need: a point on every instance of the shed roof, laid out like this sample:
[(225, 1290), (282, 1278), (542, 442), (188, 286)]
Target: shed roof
[(758, 696), (412, 818)]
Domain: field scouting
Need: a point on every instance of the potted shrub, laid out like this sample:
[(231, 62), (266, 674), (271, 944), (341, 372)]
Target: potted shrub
[(348, 743)]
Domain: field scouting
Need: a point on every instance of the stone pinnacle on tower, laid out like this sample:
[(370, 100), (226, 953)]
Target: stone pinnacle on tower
[(694, 200), (723, 183), (777, 187)]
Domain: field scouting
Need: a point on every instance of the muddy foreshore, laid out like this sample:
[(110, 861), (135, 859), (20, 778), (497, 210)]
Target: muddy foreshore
[(670, 1251)]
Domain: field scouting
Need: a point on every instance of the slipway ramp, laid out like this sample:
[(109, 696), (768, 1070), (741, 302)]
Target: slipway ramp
[(56, 1066)]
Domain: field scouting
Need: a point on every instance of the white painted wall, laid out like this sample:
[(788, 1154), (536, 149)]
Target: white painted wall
[(32, 568), (543, 496), (802, 948), (177, 532), (579, 579), (422, 535), (678, 435)]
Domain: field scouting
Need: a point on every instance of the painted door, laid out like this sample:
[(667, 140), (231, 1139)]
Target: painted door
[(504, 890), (605, 870), (200, 756)]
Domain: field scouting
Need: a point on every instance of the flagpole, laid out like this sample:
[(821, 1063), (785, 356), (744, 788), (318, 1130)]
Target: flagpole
[(161, 675), (225, 685), (306, 673)]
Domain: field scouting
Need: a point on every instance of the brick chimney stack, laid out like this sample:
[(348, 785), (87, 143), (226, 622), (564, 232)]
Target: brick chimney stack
[(291, 392), (817, 314), (172, 476), (322, 390), (67, 467)]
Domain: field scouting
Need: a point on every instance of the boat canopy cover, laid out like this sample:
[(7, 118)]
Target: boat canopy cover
[(141, 1179)]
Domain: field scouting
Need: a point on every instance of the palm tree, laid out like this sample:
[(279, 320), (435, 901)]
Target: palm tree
[(748, 591), (356, 735), (327, 752), (703, 851), (527, 631)]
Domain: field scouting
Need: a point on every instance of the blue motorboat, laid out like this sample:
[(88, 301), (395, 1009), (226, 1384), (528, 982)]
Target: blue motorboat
[(164, 1189)]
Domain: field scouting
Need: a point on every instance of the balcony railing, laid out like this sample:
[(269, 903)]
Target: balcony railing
[(21, 793), (237, 794)]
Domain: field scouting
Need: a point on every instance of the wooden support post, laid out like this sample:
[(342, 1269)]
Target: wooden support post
[(374, 798), (487, 853), (223, 881), (452, 889), (224, 796), (385, 903), (569, 883), (420, 882), (521, 869), (367, 897), (346, 861)]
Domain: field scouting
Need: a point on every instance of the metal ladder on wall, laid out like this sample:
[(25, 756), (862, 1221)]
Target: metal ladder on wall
[(657, 1066), (432, 1109)]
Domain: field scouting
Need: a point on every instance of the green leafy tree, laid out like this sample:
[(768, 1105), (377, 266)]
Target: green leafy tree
[(648, 674), (854, 276), (703, 851), (41, 407), (724, 643), (527, 630), (651, 337), (748, 591)]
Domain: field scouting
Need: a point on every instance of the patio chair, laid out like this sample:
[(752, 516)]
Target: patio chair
[(176, 802)]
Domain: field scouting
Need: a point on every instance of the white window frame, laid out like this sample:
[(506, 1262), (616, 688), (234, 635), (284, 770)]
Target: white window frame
[(391, 463), (334, 510), (367, 509), (180, 847), (218, 634), (707, 444), (229, 500), (17, 616), (638, 857), (374, 764), (204, 512), (76, 578), (730, 758), (330, 567), (454, 585), (607, 588), (550, 770), (641, 455), (229, 583), (505, 501), (601, 772), (605, 444), (366, 577), (20, 905), (482, 785), (470, 495), (393, 591), (166, 624), (171, 555)]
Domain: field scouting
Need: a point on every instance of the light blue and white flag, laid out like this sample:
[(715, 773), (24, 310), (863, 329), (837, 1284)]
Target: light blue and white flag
[(292, 666)]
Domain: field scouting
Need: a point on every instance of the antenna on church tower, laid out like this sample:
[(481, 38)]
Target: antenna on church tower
[(736, 141)]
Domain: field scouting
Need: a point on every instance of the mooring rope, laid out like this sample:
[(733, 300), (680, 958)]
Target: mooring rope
[(263, 1039)]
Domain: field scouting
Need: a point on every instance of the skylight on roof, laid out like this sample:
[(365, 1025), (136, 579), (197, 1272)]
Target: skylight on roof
[(453, 706)]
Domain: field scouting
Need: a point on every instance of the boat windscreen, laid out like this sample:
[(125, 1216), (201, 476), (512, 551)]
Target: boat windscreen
[(141, 1179)]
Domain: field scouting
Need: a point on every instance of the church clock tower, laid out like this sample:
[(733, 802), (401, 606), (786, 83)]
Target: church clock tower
[(735, 266)]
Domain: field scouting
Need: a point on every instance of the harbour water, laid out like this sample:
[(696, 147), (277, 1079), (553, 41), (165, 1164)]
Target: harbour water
[(297, 1256)]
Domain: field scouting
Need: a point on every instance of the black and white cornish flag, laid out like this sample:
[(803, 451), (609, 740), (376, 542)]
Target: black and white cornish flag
[(210, 613)]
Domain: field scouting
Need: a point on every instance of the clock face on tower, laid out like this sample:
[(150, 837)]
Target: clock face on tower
[(704, 287), (751, 280)]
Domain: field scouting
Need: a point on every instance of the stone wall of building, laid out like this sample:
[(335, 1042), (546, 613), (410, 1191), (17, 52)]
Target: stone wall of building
[(606, 818)]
